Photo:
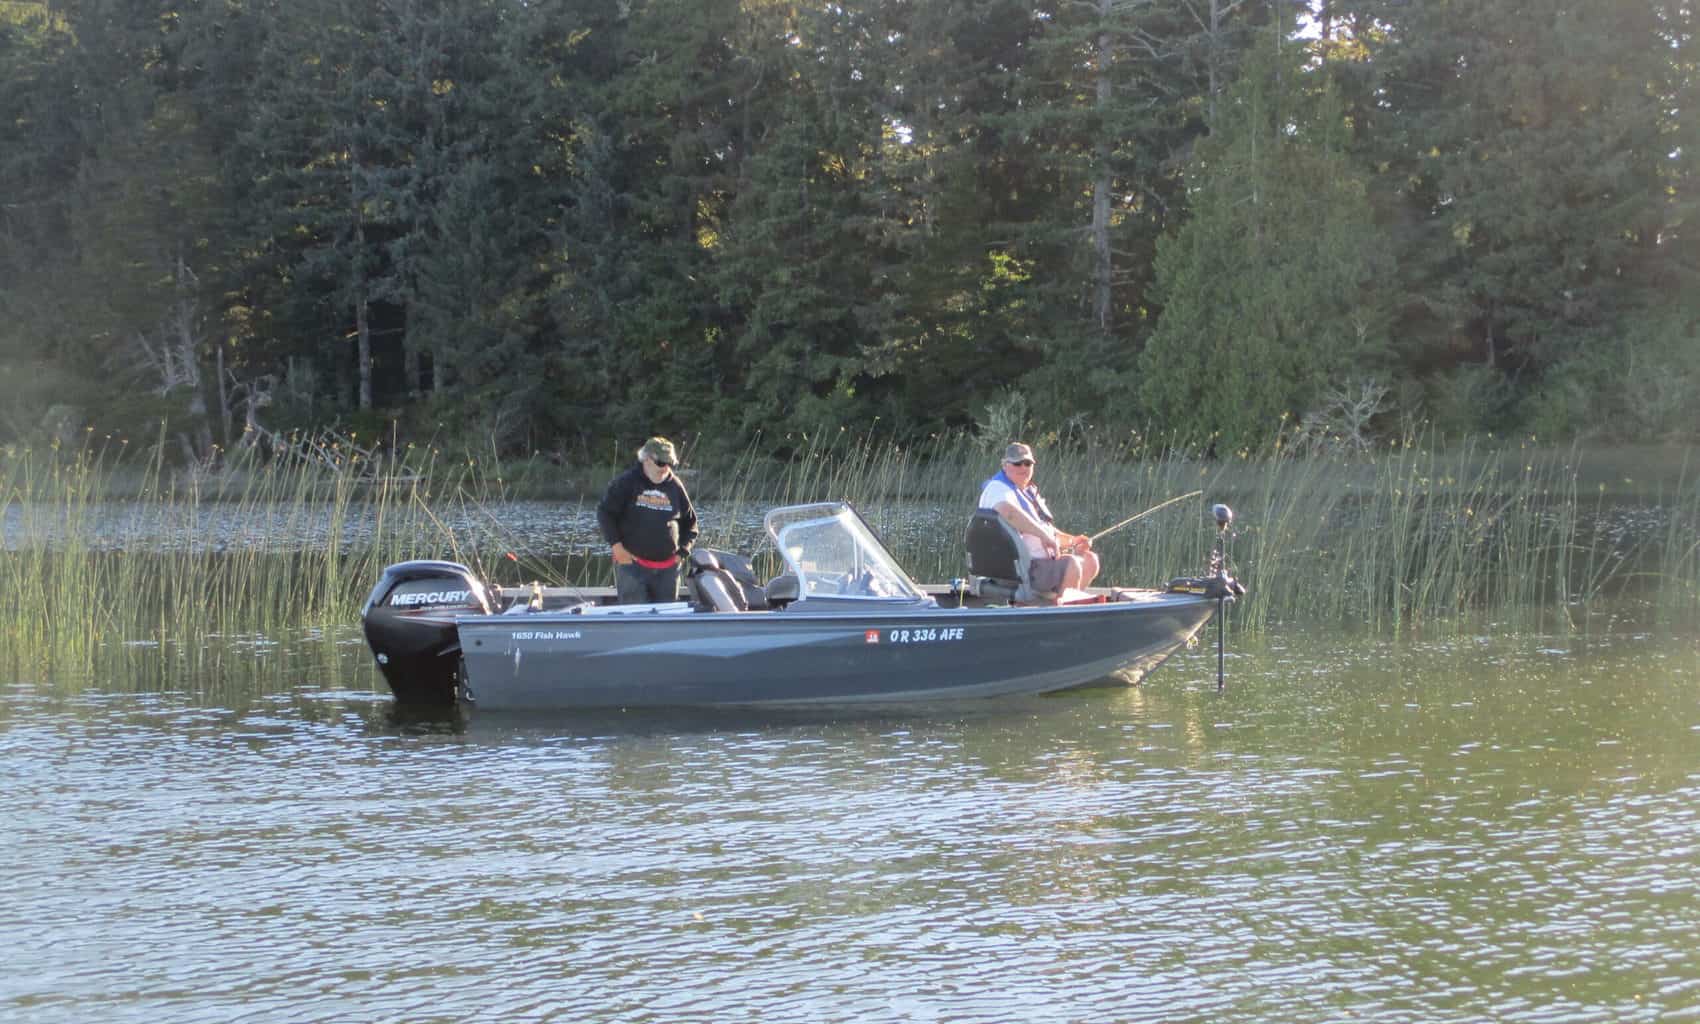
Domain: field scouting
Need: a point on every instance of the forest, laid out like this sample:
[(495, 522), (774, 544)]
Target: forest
[(560, 225)]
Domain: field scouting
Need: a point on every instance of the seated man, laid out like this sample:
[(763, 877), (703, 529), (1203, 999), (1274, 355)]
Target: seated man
[(1060, 560)]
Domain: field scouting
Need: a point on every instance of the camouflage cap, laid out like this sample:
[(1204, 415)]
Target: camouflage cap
[(659, 450), (1018, 452)]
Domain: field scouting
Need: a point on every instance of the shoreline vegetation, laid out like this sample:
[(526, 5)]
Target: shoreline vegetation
[(563, 223), (1408, 538)]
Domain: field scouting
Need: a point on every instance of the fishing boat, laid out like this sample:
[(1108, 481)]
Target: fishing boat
[(843, 623)]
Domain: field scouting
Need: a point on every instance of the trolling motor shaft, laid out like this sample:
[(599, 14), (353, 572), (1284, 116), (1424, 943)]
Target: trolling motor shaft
[(1222, 587)]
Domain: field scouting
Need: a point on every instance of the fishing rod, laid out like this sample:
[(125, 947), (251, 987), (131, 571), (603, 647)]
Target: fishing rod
[(1135, 518), (538, 566)]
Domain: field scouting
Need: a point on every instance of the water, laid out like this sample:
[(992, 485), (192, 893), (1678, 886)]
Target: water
[(1490, 828), (543, 529)]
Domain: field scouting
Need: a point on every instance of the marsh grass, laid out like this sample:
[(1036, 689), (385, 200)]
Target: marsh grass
[(1408, 538), (1411, 537), (73, 583)]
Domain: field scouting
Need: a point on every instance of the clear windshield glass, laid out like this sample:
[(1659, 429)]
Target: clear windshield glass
[(835, 555)]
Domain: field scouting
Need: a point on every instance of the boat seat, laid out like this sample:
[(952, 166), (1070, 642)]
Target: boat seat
[(996, 552), (722, 581), (711, 586), (782, 590), (713, 591)]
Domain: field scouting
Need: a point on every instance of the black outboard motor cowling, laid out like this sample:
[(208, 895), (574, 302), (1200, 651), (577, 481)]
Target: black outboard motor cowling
[(410, 627)]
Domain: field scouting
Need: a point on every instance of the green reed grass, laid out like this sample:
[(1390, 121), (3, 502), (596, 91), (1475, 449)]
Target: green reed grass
[(1411, 537), (71, 586)]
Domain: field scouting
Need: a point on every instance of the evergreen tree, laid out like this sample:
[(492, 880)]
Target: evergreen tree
[(460, 241), (650, 96), (1271, 291), (973, 296), (1108, 100), (135, 314), (1529, 152), (799, 256), (41, 146)]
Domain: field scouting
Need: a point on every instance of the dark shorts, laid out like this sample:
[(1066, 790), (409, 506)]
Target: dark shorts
[(636, 585), (1047, 573)]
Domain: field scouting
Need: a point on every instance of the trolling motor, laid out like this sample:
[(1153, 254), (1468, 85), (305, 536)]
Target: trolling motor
[(1225, 588), (1218, 585)]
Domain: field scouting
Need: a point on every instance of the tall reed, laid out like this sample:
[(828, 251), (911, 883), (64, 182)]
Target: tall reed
[(263, 549), (1409, 537)]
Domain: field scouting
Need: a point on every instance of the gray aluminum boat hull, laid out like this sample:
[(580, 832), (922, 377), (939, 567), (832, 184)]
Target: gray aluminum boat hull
[(878, 654)]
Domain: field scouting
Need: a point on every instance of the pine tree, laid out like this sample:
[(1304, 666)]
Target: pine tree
[(1272, 290), (1528, 153)]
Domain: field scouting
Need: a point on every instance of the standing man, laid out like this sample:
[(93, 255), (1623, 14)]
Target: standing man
[(647, 518), (1060, 560)]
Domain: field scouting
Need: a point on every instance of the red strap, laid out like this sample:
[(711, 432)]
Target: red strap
[(647, 564)]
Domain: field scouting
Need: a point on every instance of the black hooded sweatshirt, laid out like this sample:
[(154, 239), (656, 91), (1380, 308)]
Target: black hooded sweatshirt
[(655, 521)]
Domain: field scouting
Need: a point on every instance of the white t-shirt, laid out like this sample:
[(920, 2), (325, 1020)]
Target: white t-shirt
[(996, 493)]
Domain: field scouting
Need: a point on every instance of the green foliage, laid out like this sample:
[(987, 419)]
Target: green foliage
[(562, 224), (40, 147), (1537, 167), (1466, 400), (1643, 383), (1274, 288)]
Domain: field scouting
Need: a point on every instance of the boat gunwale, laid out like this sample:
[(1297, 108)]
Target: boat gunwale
[(1156, 600)]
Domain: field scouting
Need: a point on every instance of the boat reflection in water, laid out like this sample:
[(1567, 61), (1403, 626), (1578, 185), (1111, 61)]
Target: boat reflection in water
[(843, 624)]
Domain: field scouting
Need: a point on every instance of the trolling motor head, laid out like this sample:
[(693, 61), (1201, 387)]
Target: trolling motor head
[(1226, 586), (1224, 517), (1218, 585)]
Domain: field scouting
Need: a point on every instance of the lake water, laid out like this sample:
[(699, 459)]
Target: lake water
[(1460, 830), (543, 529)]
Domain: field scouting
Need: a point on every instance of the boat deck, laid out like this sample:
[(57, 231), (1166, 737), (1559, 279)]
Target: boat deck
[(556, 598)]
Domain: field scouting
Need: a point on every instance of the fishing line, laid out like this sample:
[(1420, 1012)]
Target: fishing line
[(1142, 515), (505, 537)]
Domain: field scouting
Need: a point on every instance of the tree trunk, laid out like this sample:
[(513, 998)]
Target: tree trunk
[(1102, 263), (357, 288), (410, 367), (200, 429), (223, 396), (1214, 61), (363, 334), (181, 342)]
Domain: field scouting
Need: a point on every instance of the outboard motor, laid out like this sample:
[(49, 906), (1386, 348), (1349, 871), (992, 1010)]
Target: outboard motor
[(410, 627)]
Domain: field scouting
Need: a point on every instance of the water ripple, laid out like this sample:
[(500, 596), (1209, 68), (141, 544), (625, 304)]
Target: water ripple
[(1392, 837)]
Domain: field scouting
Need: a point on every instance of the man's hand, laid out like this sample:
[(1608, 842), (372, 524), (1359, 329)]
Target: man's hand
[(621, 555)]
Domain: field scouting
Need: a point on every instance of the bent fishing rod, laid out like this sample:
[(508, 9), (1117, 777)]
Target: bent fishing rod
[(1141, 515)]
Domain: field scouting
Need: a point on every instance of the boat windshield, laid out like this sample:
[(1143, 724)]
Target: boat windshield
[(834, 554)]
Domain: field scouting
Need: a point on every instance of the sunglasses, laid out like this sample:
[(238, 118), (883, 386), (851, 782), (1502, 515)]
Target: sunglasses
[(1023, 462), (662, 462)]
